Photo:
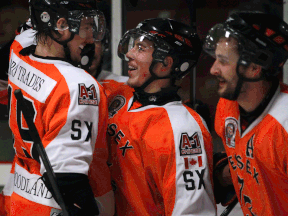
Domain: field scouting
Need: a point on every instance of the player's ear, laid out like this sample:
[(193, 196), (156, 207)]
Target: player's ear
[(256, 70), (167, 63), (62, 26)]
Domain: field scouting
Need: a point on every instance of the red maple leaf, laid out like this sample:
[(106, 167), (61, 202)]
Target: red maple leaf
[(193, 162)]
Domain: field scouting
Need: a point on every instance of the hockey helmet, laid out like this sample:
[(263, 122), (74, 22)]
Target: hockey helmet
[(170, 38), (82, 16), (262, 39)]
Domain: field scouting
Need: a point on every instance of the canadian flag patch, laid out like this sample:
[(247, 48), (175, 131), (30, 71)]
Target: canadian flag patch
[(193, 162)]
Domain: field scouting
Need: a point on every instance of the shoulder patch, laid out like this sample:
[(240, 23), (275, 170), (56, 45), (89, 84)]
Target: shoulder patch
[(87, 96), (190, 145), (116, 104), (231, 125)]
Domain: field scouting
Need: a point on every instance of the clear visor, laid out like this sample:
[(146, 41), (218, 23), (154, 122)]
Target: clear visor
[(89, 25), (133, 39), (217, 34)]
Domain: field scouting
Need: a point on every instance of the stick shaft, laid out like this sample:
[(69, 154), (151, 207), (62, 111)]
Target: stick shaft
[(40, 148), (229, 208)]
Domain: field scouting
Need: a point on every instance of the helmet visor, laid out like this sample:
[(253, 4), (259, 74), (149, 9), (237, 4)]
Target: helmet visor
[(88, 24), (219, 33), (134, 39)]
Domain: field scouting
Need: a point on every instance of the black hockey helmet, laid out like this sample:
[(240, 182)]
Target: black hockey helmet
[(170, 38), (262, 39), (45, 13)]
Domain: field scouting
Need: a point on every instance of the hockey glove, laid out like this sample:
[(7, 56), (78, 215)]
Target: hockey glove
[(76, 192)]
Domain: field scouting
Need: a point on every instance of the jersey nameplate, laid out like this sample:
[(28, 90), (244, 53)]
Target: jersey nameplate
[(32, 187), (28, 78)]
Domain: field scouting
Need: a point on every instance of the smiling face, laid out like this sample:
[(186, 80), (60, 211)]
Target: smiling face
[(139, 61), (80, 40), (224, 67)]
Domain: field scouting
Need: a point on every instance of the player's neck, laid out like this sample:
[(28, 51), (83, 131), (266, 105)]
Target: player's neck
[(49, 49), (157, 85), (252, 94)]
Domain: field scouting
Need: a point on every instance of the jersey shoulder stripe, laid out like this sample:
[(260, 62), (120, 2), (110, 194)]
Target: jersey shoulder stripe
[(26, 38), (187, 123), (279, 106)]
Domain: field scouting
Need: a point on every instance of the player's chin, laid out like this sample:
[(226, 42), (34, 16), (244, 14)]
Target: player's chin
[(221, 91), (132, 82), (76, 59), (93, 67)]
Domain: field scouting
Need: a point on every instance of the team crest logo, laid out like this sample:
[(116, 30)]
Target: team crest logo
[(190, 145), (87, 96), (231, 125), (116, 104)]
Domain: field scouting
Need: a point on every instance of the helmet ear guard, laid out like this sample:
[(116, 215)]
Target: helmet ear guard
[(260, 57), (263, 58), (182, 66)]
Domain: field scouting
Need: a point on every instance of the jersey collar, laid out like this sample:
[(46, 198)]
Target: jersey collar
[(162, 97)]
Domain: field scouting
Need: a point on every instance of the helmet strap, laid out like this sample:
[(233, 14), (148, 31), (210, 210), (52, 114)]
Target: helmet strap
[(64, 44), (239, 84), (65, 41), (241, 80), (245, 78), (152, 78)]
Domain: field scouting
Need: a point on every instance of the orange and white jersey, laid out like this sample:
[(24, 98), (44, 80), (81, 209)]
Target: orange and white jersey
[(69, 110), (258, 156), (161, 158)]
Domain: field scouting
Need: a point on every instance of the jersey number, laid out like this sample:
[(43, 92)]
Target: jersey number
[(24, 132), (245, 198)]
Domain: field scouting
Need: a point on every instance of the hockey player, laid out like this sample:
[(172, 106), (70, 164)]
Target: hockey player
[(161, 150), (70, 113), (250, 49)]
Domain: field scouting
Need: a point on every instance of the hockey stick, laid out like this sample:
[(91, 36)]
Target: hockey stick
[(40, 148), (229, 208)]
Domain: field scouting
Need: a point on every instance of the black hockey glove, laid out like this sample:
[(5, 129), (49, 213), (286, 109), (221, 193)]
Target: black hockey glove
[(223, 194), (76, 192)]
